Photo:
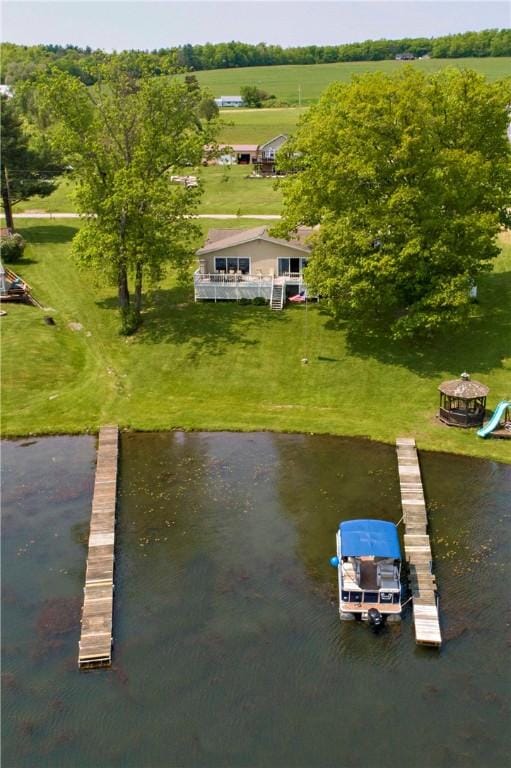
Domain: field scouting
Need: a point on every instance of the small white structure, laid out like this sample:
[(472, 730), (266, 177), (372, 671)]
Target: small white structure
[(185, 181), (6, 90), (229, 101)]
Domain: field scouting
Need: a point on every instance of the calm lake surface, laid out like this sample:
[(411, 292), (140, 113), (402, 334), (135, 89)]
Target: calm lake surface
[(228, 646)]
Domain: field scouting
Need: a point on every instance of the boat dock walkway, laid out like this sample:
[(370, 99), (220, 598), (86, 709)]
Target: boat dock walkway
[(95, 646), (417, 545)]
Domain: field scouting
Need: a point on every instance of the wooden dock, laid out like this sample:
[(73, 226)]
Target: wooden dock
[(417, 545), (95, 646)]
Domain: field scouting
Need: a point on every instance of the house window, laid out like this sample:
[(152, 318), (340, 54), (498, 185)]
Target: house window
[(292, 266), (232, 264)]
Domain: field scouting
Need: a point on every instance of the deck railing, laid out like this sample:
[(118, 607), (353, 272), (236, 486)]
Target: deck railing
[(222, 278)]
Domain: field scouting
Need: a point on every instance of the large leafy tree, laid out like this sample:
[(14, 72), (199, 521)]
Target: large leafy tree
[(28, 166), (409, 178), (124, 137)]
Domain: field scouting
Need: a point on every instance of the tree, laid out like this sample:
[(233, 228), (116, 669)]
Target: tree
[(123, 138), (253, 96), (410, 180), (29, 167), (208, 108)]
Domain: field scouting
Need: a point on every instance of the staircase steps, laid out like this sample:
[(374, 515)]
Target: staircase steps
[(277, 298)]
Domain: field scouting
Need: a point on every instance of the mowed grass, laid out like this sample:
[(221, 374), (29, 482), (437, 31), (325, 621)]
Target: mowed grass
[(226, 190), (284, 82), (59, 201), (231, 190), (255, 126), (230, 367)]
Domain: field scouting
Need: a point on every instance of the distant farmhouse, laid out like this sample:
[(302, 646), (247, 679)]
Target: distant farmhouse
[(407, 56), (237, 154), (229, 101), (262, 156), (249, 263)]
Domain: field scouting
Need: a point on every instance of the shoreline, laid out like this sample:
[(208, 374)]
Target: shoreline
[(423, 444)]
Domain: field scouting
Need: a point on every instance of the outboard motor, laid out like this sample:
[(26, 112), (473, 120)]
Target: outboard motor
[(375, 619)]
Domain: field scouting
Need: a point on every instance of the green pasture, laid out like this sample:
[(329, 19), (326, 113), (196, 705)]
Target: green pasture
[(255, 126), (229, 367), (227, 189), (305, 82)]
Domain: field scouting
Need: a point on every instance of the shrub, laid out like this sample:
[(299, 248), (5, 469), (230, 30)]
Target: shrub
[(244, 301), (259, 301), (12, 247)]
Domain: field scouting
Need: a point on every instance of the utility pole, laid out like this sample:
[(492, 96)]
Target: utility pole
[(299, 95)]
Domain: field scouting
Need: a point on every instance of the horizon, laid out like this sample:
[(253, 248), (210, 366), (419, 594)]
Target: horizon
[(142, 25)]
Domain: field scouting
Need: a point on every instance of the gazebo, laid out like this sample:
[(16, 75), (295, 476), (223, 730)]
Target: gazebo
[(462, 402)]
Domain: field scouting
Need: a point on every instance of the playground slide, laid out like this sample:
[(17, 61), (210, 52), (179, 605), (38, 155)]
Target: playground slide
[(494, 421)]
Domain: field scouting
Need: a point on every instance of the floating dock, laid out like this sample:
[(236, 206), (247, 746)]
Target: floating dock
[(417, 545), (95, 646)]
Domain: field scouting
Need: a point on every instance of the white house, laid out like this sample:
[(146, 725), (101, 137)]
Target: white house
[(229, 101), (6, 90)]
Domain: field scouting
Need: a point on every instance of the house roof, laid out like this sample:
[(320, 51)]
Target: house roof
[(464, 388), (240, 147), (218, 239), (270, 141)]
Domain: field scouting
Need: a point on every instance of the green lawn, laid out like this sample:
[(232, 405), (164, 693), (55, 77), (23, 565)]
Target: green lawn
[(284, 81), (226, 190), (229, 190), (225, 366), (58, 202)]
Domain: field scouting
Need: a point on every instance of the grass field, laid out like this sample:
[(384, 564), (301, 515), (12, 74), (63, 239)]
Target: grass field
[(225, 366), (284, 81), (226, 190), (254, 126)]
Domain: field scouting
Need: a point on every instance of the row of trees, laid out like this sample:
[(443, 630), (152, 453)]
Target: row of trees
[(21, 62)]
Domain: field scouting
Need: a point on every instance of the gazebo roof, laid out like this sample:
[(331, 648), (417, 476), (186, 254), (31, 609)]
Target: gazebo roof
[(464, 388)]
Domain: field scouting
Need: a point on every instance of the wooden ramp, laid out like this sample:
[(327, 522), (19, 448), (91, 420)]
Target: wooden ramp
[(95, 647), (417, 545)]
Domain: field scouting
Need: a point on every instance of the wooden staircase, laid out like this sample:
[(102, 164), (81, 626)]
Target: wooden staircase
[(277, 297)]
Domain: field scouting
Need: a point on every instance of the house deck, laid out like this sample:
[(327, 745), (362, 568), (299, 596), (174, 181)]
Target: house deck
[(236, 286)]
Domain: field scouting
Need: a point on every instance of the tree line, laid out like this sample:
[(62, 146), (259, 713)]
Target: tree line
[(20, 62)]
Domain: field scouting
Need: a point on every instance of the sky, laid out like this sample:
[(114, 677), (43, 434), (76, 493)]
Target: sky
[(146, 24)]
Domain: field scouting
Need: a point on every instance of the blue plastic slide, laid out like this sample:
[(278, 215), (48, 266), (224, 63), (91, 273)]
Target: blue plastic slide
[(495, 419)]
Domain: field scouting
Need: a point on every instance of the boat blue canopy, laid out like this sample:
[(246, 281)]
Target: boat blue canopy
[(370, 538)]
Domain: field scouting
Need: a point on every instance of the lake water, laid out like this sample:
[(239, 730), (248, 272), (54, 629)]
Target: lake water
[(228, 646)]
